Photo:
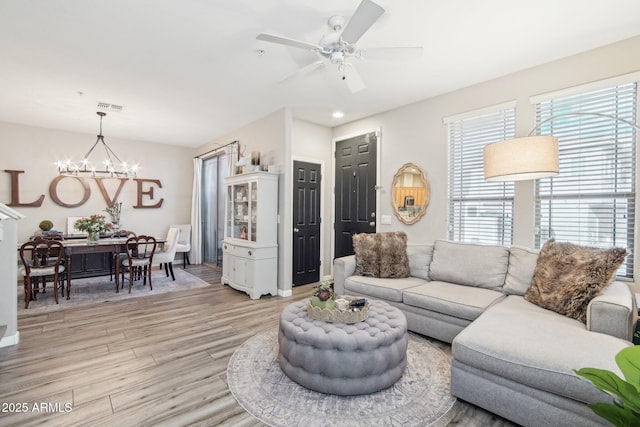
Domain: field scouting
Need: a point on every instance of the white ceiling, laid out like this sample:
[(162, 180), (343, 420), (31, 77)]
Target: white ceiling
[(188, 71)]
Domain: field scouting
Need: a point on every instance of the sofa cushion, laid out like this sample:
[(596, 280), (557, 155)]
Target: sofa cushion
[(522, 263), (381, 254), (527, 344), (419, 260), (451, 299), (385, 289), (469, 264), (568, 276)]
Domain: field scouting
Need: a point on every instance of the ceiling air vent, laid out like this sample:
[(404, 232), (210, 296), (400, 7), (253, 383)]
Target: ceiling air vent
[(113, 108)]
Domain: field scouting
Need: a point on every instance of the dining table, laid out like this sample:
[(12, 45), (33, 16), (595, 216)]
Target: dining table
[(83, 246)]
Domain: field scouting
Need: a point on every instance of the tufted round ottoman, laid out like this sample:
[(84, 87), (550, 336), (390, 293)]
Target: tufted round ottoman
[(342, 359)]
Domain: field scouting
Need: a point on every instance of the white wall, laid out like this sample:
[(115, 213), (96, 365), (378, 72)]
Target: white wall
[(312, 143), (35, 151), (415, 133), (271, 136)]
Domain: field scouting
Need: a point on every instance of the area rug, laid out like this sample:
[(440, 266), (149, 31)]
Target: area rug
[(96, 290), (422, 397)]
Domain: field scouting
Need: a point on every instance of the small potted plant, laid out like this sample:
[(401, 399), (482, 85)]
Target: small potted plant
[(114, 211), (323, 296)]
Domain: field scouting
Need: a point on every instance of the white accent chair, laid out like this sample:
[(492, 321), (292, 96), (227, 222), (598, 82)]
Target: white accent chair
[(184, 242), (167, 255)]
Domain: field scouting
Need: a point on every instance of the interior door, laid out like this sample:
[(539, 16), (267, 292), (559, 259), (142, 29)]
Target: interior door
[(355, 191), (306, 223)]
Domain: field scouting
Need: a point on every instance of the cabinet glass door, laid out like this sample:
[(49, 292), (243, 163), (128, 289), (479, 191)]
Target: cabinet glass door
[(254, 211), (240, 211)]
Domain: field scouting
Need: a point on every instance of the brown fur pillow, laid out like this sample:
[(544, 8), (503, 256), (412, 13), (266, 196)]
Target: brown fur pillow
[(394, 261), (381, 254), (567, 277), (366, 248)]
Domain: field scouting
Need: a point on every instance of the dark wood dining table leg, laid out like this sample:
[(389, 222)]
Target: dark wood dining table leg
[(117, 273), (67, 266)]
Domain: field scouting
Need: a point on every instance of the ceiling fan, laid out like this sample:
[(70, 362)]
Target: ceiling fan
[(339, 46)]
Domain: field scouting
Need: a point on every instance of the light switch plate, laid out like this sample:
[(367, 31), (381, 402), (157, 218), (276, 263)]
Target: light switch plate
[(385, 219)]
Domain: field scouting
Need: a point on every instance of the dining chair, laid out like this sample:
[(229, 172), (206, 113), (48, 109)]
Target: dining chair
[(140, 250), (42, 258), (167, 255), (184, 242), (118, 234)]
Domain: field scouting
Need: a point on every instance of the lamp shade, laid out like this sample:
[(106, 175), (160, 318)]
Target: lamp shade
[(520, 159)]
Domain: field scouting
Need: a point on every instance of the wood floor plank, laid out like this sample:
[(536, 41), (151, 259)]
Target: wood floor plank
[(157, 360)]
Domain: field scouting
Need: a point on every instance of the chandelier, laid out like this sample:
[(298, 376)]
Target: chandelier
[(111, 166)]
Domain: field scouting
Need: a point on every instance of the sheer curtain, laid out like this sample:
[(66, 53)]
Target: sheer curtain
[(196, 213)]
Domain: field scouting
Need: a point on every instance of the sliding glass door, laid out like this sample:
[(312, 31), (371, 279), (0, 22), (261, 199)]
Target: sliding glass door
[(214, 170)]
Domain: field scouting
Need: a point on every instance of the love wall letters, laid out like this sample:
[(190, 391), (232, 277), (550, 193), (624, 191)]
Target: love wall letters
[(144, 188)]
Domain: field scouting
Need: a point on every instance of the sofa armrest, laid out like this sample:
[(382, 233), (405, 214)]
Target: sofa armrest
[(613, 312), (342, 268)]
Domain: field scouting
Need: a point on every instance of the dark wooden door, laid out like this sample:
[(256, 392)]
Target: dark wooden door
[(355, 192), (306, 222)]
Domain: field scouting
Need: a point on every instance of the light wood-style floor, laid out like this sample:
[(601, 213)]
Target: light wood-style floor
[(157, 360)]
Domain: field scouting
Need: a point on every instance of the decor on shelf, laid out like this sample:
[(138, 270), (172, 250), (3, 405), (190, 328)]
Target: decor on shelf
[(625, 410), (114, 211), (530, 157), (85, 167), (93, 225), (323, 296)]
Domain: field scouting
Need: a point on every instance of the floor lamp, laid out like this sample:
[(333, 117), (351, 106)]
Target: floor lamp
[(529, 157)]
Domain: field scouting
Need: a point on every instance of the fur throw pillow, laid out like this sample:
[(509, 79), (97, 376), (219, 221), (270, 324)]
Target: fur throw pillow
[(567, 277), (367, 251), (381, 255)]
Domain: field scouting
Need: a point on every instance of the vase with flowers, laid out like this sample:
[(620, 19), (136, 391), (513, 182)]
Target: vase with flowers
[(93, 225), (114, 212)]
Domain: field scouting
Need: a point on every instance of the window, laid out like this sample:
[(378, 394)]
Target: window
[(479, 211), (592, 200)]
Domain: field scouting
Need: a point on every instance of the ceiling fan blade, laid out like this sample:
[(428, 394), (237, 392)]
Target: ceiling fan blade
[(286, 41), (307, 69), (363, 18), (391, 53), (352, 78)]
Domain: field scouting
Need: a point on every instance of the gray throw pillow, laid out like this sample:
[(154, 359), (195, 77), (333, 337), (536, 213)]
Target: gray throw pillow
[(522, 264)]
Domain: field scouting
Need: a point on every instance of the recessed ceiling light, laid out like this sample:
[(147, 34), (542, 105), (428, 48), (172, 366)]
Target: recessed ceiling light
[(337, 114)]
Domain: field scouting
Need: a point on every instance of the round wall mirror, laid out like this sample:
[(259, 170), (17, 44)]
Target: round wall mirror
[(410, 193)]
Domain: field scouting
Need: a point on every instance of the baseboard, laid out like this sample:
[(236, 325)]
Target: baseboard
[(11, 340), (285, 293)]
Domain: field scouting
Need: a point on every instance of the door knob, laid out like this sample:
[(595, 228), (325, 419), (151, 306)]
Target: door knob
[(295, 230), (372, 224)]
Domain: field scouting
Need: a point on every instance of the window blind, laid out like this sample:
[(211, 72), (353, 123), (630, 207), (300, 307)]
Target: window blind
[(479, 211), (592, 200)]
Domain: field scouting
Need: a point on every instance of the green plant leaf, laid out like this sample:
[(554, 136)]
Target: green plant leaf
[(628, 359), (615, 415), (610, 383)]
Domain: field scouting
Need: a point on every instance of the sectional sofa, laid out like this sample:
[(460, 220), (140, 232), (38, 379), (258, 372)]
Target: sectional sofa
[(510, 356)]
